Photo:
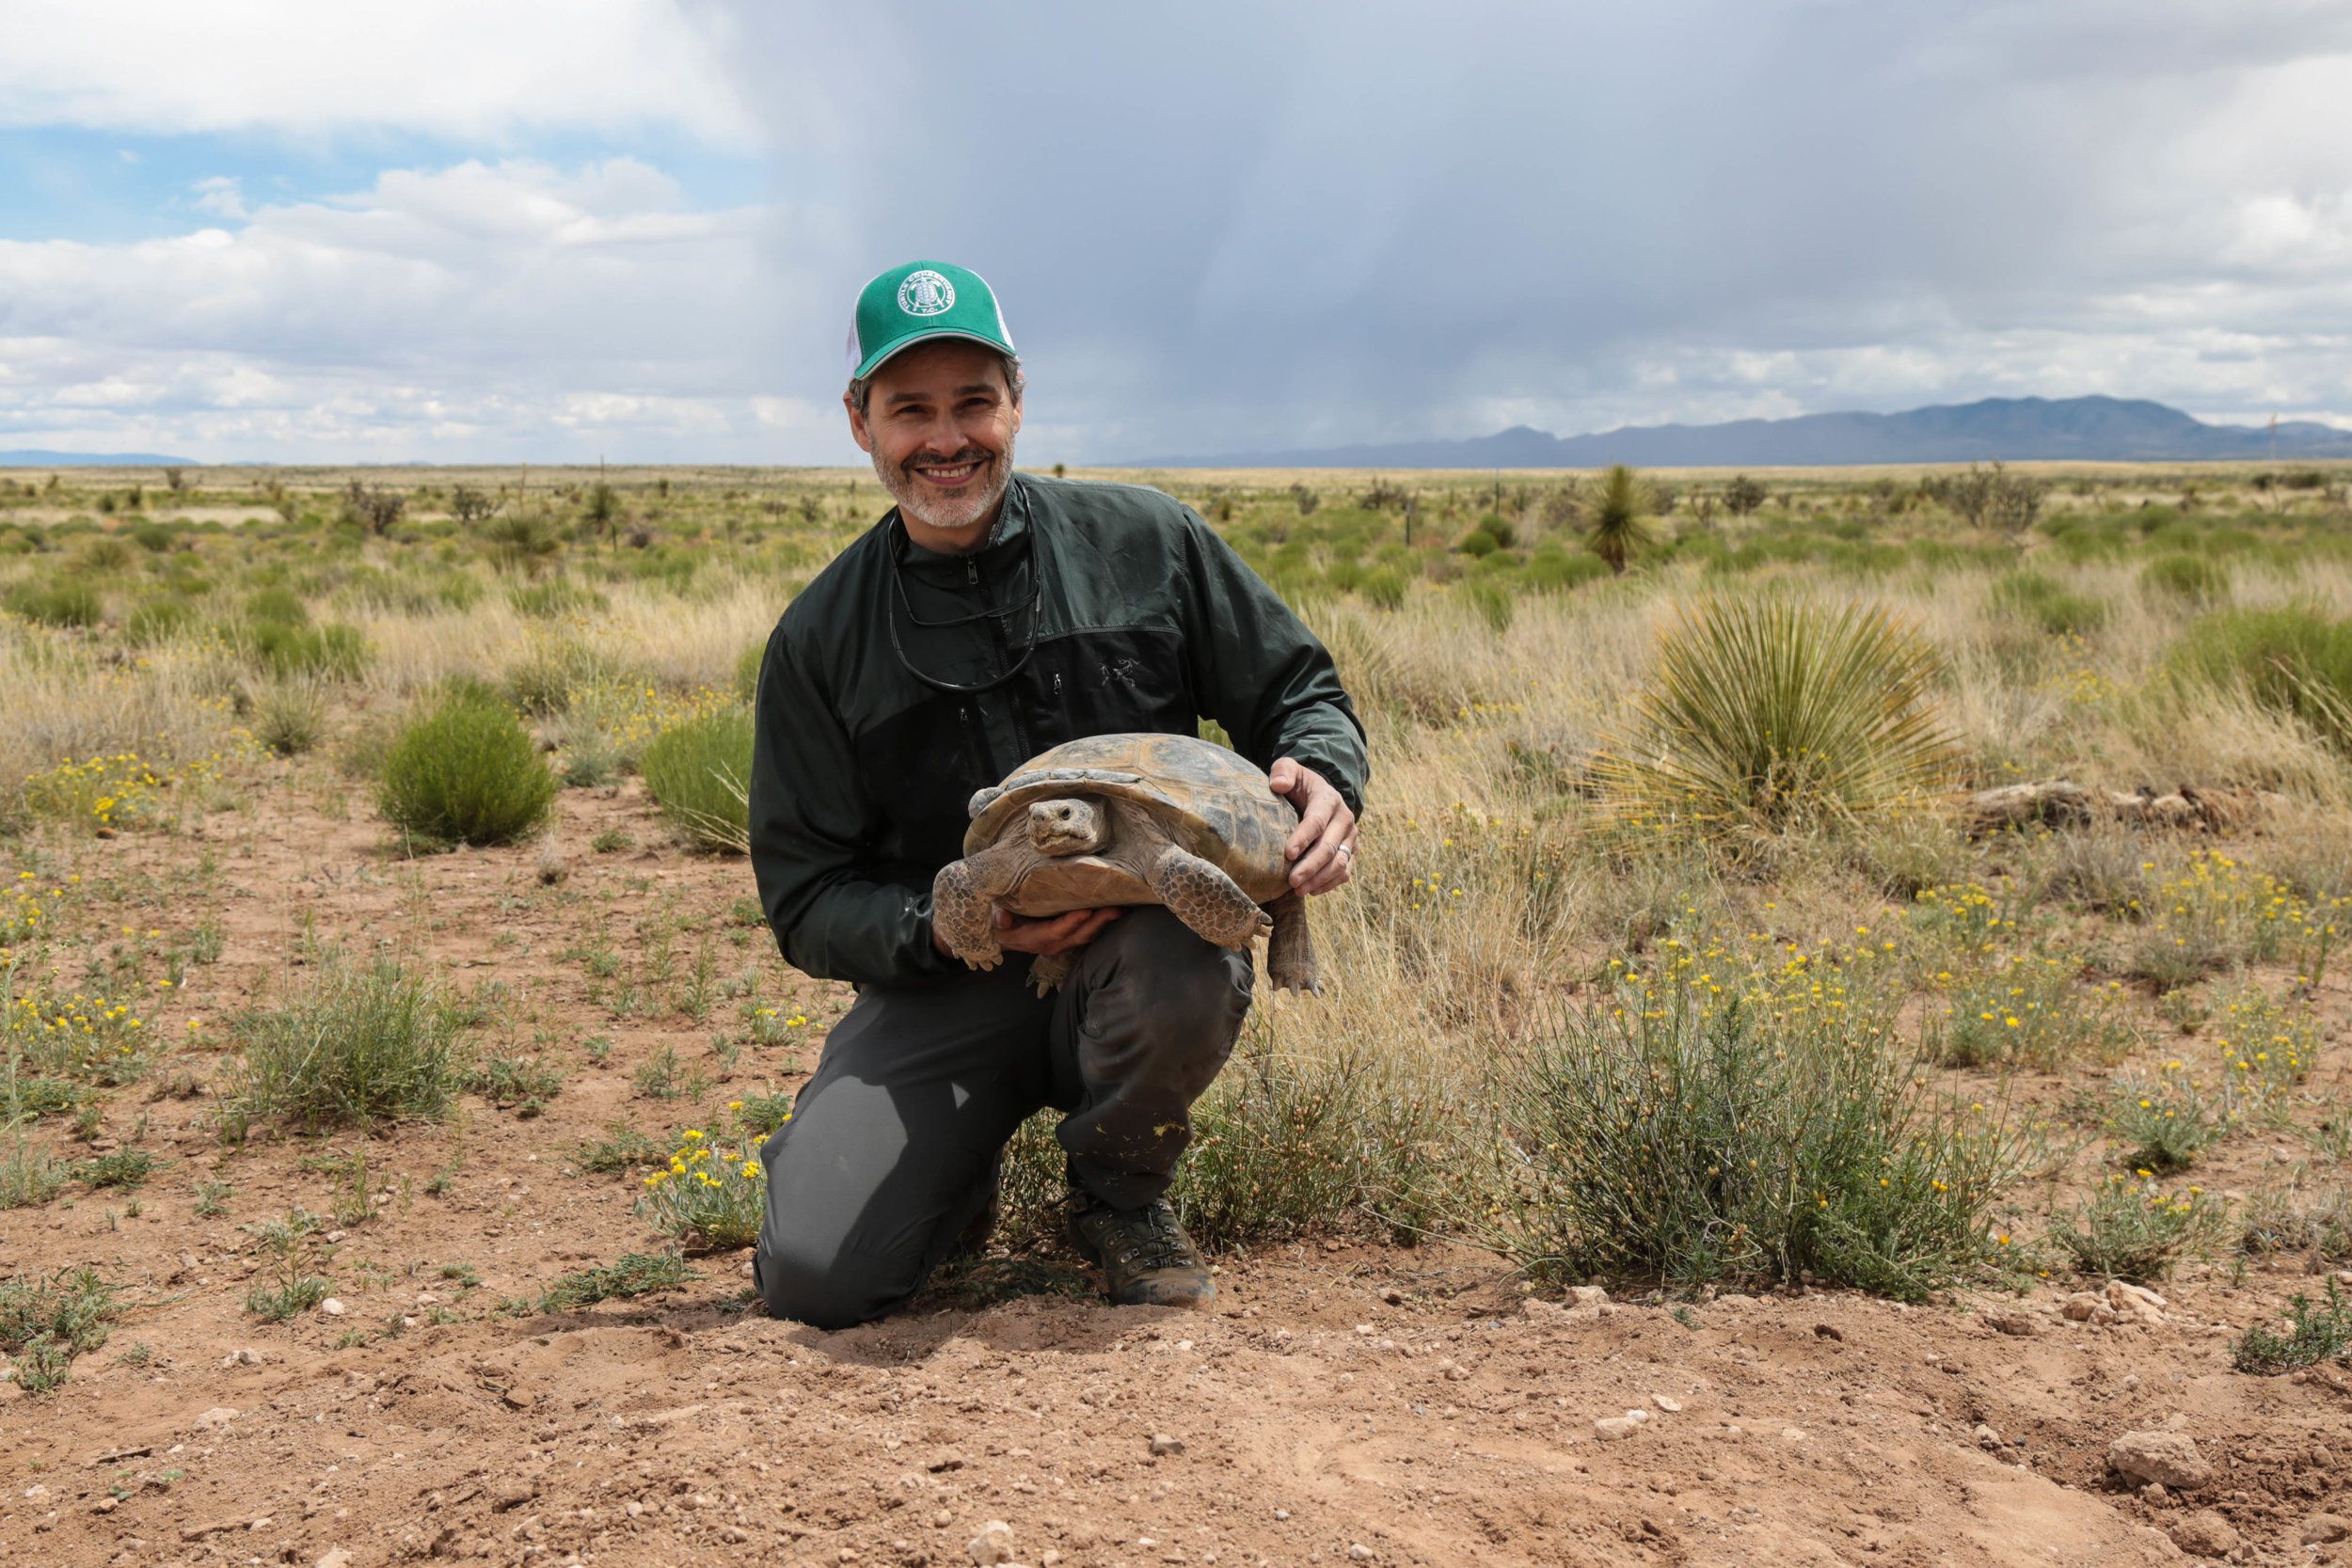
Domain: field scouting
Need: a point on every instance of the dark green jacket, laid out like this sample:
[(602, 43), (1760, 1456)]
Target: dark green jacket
[(861, 773)]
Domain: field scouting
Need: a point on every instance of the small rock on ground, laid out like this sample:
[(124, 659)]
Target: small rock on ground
[(1163, 1444), (2169, 1457), (2203, 1533), (1613, 1429), (992, 1545), (2320, 1528)]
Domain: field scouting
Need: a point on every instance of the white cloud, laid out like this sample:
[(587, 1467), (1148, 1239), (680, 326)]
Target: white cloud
[(446, 67), (485, 310)]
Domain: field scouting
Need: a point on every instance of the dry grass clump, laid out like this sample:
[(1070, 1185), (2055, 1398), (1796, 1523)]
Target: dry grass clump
[(700, 770), (354, 1045)]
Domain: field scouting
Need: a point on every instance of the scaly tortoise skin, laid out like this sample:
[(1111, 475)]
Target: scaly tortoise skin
[(1130, 819)]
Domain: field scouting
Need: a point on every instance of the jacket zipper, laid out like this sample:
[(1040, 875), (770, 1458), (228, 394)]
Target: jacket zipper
[(1023, 749)]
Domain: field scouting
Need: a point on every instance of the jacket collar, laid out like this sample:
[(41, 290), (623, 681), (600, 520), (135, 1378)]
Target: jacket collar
[(1006, 542)]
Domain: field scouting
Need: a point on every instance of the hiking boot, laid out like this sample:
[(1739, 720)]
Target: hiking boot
[(1146, 1258)]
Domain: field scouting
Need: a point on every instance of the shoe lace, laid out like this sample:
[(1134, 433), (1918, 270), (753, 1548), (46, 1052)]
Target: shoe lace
[(1149, 1238)]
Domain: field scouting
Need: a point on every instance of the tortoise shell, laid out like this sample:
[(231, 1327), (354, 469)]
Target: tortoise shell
[(1210, 800)]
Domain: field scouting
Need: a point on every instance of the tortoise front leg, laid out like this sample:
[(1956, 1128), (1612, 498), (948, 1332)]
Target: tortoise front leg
[(1205, 899), (964, 911)]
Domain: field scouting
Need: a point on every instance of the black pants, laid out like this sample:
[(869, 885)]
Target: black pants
[(888, 1155)]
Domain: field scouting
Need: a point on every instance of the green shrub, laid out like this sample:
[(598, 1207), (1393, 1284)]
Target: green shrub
[(1769, 713), (2042, 603), (2292, 660), (521, 1084), (623, 1147), (1494, 601), (698, 770), (289, 716), (279, 606), (2194, 578), (352, 1046), (2160, 1124), (634, 1274), (125, 1167), (292, 1290), (2133, 1231), (556, 597), (1284, 1145), (64, 603), (466, 773), (708, 1195), (2022, 1011), (747, 665), (329, 649), (156, 620), (1479, 542), (541, 681), (1697, 1126), (1384, 587), (1552, 570), (28, 1175), (2313, 1336), (105, 555), (44, 1323)]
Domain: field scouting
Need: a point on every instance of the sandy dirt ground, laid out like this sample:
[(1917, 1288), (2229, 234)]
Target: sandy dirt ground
[(1344, 1403)]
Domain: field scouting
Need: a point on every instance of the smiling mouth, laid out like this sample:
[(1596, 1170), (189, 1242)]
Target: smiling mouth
[(950, 475)]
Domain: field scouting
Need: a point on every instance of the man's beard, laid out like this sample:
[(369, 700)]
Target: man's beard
[(961, 509)]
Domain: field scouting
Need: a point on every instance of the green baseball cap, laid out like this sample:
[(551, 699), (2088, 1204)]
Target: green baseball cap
[(921, 300)]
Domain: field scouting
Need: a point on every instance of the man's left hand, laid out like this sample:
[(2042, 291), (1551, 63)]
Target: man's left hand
[(1322, 850)]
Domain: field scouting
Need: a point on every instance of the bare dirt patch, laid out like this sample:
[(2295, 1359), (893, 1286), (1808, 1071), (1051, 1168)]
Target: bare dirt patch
[(1344, 1403)]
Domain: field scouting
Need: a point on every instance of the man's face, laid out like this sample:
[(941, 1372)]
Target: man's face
[(939, 423)]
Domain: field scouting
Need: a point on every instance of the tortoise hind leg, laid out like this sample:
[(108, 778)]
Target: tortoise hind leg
[(1205, 899), (1047, 971), (1290, 952)]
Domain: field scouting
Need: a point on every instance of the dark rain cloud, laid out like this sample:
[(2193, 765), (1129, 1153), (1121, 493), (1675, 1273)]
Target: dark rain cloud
[(1227, 226)]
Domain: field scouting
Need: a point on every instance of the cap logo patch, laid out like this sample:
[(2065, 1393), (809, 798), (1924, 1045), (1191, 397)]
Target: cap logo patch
[(926, 294)]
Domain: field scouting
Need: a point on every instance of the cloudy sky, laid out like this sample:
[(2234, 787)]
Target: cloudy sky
[(554, 229)]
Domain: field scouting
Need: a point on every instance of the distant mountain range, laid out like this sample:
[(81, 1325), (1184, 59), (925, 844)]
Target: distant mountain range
[(2092, 429), (28, 458)]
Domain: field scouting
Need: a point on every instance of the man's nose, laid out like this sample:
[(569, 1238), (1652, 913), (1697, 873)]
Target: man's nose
[(944, 437)]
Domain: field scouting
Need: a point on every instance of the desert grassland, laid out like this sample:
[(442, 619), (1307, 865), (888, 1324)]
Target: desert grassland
[(1805, 1027)]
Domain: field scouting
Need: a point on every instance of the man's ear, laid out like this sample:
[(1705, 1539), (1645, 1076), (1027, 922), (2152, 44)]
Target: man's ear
[(1016, 413), (858, 430)]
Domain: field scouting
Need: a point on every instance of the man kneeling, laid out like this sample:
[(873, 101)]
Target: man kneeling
[(988, 616)]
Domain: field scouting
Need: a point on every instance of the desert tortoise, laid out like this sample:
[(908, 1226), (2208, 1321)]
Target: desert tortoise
[(1130, 819)]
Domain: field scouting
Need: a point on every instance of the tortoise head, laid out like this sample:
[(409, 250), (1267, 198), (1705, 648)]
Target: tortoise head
[(1071, 825)]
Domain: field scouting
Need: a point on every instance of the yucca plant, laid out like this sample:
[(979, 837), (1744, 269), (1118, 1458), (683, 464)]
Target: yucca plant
[(1619, 517), (1772, 713)]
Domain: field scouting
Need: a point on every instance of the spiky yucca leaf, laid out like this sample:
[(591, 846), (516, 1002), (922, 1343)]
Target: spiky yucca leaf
[(1770, 712), (1620, 518)]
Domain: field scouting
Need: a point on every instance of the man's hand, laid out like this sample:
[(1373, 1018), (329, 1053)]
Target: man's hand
[(1046, 935), (1322, 850)]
